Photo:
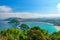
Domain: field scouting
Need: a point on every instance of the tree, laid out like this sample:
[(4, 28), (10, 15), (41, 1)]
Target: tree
[(36, 28), (11, 34), (36, 34), (15, 21), (55, 36), (24, 26), (23, 35)]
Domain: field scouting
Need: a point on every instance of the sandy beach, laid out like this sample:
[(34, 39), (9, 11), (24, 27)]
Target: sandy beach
[(57, 27)]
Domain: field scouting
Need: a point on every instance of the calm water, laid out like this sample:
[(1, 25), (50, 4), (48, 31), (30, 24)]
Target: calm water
[(43, 25)]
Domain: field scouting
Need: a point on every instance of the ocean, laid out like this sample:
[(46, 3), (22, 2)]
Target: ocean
[(43, 25)]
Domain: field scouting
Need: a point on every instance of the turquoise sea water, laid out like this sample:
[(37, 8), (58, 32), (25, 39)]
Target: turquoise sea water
[(43, 25), (4, 25)]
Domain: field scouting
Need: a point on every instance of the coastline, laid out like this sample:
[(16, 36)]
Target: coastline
[(57, 27)]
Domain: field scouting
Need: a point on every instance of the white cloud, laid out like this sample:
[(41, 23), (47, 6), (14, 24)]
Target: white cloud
[(58, 6), (7, 13), (5, 9), (21, 15), (28, 15)]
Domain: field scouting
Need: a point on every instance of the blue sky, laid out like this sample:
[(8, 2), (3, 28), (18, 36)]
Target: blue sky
[(31, 6), (41, 6)]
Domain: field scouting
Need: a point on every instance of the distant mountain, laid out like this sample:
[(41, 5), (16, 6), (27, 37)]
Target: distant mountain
[(13, 18), (55, 21)]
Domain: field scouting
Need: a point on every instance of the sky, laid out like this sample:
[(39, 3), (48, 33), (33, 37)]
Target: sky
[(29, 8)]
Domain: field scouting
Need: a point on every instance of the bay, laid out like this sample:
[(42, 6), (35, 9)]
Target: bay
[(43, 25)]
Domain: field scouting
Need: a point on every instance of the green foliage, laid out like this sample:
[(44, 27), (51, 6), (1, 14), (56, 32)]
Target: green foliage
[(15, 21), (36, 33), (36, 28), (11, 34), (55, 36), (24, 26)]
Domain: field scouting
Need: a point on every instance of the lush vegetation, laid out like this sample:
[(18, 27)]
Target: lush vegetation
[(26, 33)]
